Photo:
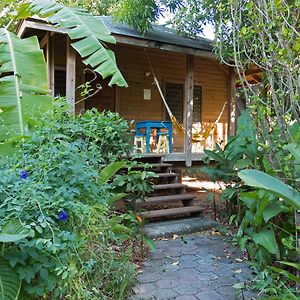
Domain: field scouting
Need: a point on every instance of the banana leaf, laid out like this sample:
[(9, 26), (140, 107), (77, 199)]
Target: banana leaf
[(23, 84), (88, 33), (13, 231), (10, 284)]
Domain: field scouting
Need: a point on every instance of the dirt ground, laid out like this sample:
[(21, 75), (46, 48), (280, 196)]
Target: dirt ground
[(207, 194)]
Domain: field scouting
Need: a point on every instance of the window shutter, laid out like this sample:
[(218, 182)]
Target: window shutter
[(174, 97)]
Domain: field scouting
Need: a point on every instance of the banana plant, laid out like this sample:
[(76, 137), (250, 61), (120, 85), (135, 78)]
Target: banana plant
[(89, 34), (23, 74), (10, 284), (23, 83)]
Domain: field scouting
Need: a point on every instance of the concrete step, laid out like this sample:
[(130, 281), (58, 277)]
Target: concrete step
[(169, 186), (169, 212), (162, 199), (164, 229)]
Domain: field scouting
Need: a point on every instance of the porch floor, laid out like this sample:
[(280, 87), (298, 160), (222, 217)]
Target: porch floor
[(176, 158)]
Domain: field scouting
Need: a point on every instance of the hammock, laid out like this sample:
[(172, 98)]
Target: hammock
[(200, 136)]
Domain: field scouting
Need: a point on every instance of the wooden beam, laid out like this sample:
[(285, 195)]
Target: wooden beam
[(162, 46), (117, 100), (38, 25), (71, 75), (189, 95), (44, 40), (50, 61), (21, 28)]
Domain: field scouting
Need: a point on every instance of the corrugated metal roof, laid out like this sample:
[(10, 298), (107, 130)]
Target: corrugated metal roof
[(159, 34)]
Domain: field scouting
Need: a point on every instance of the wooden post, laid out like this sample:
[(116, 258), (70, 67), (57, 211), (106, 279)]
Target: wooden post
[(189, 84), (50, 61), (71, 75)]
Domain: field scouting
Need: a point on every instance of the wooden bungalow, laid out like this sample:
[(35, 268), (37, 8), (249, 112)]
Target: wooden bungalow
[(195, 85)]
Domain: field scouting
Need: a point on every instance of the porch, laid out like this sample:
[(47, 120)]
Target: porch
[(195, 85)]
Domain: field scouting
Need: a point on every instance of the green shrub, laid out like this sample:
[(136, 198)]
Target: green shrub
[(104, 135), (260, 205), (53, 186)]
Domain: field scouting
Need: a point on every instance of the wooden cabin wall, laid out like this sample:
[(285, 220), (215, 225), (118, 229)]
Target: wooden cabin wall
[(214, 79), (168, 67), (133, 63)]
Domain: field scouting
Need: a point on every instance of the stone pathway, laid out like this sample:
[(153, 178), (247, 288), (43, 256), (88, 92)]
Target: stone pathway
[(195, 267)]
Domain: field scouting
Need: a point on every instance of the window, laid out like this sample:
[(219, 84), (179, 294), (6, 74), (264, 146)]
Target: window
[(174, 97), (59, 83), (197, 110)]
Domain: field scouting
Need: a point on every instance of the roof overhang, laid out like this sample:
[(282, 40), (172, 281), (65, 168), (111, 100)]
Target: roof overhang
[(38, 24)]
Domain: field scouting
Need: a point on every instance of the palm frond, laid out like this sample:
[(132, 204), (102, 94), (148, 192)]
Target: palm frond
[(88, 33)]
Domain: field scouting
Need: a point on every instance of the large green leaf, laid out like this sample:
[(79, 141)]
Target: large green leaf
[(116, 197), (295, 150), (110, 170), (10, 283), (13, 231), (266, 238), (216, 156), (266, 182), (23, 83), (290, 264), (272, 210), (88, 34), (246, 135)]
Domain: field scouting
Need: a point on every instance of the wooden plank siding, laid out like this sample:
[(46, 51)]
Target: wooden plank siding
[(214, 82), (169, 67)]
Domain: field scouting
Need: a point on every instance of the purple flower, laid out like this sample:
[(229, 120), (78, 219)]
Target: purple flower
[(63, 216), (24, 174)]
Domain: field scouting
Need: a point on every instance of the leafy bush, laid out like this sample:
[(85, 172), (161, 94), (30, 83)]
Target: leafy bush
[(105, 136), (264, 214), (55, 188)]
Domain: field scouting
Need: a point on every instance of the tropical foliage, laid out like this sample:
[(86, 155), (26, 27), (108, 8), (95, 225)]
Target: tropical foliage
[(24, 83), (58, 235), (22, 88), (263, 209), (264, 34), (58, 189)]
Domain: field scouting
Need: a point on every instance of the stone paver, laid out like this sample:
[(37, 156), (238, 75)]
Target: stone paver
[(196, 267)]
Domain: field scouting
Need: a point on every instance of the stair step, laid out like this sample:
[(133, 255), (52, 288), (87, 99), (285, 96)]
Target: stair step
[(141, 165), (168, 186), (162, 199), (171, 212), (165, 175), (161, 165)]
